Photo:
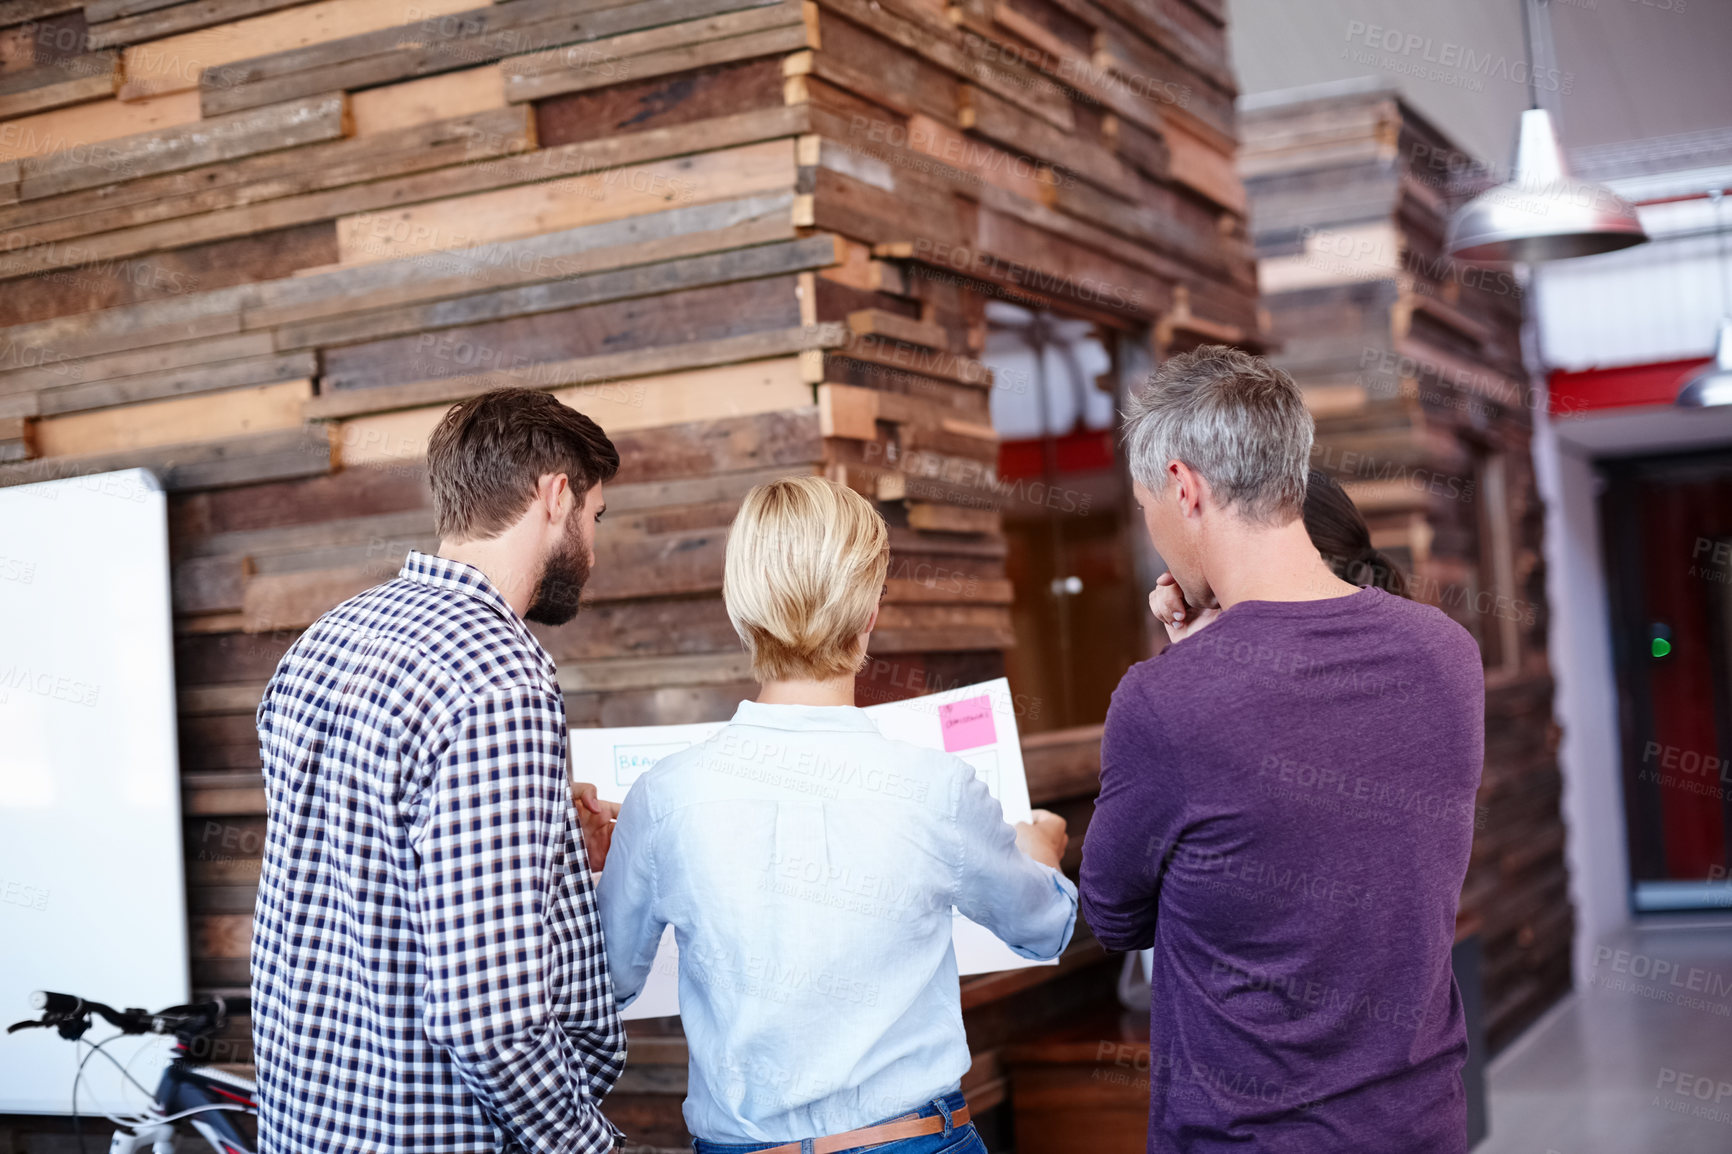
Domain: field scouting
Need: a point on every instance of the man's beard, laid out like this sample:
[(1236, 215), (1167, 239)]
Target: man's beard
[(561, 585)]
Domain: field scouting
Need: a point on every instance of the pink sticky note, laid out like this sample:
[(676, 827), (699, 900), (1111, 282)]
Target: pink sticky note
[(967, 724)]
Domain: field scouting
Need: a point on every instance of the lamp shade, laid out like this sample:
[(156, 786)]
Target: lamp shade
[(1541, 214), (1712, 384)]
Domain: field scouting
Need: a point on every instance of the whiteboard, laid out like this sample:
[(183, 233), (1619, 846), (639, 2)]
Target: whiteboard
[(92, 897), (975, 722)]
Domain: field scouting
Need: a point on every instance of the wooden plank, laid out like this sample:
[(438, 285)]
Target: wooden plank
[(221, 935), (1016, 170), (584, 249), (1074, 257), (655, 672), (612, 367), (915, 360), (704, 448), (721, 38), (517, 341), (98, 11), (153, 322), (75, 129), (931, 518), (1126, 57), (1072, 67), (117, 24), (20, 11), (877, 322), (670, 399), (462, 222), (289, 453), (1142, 150), (432, 98), (1199, 165), (266, 176), (590, 156), (238, 412), (296, 600), (165, 276), (1145, 223), (944, 45), (17, 439), (176, 63), (209, 584), (471, 36), (440, 45), (300, 540), (857, 65), (999, 120), (948, 590), (308, 501), (659, 102), (853, 412), (1062, 763), (639, 31), (75, 80), (642, 281), (55, 372), (305, 121), (217, 377), (708, 54)]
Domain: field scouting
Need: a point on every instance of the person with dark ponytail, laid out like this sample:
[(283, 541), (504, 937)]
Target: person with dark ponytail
[(1339, 531)]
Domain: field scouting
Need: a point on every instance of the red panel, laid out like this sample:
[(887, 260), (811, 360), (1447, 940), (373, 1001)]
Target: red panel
[(1574, 393), (1679, 516), (1077, 453)]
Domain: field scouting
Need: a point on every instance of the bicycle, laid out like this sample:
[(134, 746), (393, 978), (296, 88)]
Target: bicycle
[(203, 1097)]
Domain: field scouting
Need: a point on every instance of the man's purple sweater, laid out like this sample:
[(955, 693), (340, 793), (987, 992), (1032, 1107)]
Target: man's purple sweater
[(1286, 810)]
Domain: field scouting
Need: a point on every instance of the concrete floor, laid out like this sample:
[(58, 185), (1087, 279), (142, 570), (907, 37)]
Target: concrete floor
[(1639, 1062)]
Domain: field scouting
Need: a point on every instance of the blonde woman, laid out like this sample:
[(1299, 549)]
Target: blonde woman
[(809, 867)]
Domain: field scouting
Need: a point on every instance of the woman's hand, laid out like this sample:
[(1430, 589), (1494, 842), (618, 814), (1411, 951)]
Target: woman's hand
[(1043, 838), (1168, 603), (595, 817)]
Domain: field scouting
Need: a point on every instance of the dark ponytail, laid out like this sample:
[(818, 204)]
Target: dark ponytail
[(1343, 538)]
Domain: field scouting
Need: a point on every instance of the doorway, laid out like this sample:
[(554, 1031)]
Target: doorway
[(1066, 512), (1667, 525)]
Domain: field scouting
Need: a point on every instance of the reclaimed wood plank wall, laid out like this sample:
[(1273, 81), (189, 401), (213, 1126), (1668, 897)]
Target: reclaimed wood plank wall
[(1412, 364), (260, 245)]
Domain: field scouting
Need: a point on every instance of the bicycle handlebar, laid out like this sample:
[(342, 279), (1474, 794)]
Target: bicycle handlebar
[(195, 1019), (50, 1002)]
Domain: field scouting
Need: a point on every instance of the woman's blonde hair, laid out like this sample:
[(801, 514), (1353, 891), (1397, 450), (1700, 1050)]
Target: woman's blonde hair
[(806, 564)]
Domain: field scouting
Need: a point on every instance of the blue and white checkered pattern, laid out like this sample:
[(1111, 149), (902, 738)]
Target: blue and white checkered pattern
[(427, 964)]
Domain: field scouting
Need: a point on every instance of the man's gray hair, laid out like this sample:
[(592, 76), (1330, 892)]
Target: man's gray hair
[(1237, 420)]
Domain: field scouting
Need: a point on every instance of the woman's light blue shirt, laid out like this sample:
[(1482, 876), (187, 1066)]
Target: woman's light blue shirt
[(809, 867)]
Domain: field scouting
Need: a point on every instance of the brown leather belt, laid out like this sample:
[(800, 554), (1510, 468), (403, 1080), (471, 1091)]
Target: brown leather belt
[(874, 1135)]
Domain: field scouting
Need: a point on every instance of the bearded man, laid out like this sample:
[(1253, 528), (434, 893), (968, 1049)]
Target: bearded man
[(428, 972)]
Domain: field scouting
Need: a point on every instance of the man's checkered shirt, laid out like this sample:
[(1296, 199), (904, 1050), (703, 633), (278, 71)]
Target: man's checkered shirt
[(427, 965)]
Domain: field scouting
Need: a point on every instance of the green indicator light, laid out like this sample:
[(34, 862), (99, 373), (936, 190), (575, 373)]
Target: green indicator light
[(1661, 647)]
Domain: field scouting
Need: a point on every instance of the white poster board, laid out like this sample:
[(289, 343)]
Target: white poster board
[(92, 900), (975, 722)]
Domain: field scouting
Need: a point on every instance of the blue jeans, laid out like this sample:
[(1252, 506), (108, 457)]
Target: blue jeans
[(952, 1139)]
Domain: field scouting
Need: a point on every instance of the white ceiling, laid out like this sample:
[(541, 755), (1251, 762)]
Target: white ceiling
[(1627, 70)]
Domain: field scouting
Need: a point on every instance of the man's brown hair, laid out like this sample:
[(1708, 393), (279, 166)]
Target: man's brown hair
[(487, 455)]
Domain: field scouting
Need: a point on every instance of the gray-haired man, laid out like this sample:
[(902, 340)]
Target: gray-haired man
[(1286, 803)]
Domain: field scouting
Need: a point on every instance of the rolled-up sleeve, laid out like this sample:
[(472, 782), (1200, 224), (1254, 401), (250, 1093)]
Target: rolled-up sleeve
[(1031, 907), (1132, 831), (488, 860), (631, 923)]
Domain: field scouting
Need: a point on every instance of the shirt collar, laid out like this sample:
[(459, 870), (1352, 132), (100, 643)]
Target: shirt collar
[(846, 718), (465, 579)]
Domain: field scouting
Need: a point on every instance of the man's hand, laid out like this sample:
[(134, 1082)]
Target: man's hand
[(1168, 603), (1044, 838), (595, 817)]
